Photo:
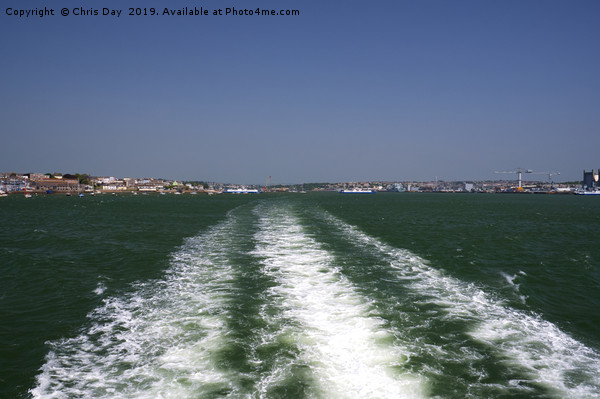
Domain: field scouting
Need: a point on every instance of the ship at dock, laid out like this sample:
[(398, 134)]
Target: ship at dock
[(357, 191)]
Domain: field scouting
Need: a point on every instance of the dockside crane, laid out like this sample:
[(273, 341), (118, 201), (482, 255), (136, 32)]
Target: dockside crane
[(550, 174), (520, 172), (266, 184)]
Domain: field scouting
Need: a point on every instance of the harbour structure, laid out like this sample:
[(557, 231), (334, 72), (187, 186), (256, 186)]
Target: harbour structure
[(266, 184), (590, 179), (519, 172)]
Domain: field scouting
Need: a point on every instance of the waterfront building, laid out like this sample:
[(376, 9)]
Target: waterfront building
[(57, 185), (590, 179), (12, 183)]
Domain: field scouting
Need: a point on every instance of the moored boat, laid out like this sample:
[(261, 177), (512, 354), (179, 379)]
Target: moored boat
[(357, 191)]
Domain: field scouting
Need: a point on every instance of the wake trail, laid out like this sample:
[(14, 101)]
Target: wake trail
[(524, 341), (348, 350), (161, 340)]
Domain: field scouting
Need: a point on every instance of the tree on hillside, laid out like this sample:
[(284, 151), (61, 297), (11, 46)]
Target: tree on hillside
[(83, 178)]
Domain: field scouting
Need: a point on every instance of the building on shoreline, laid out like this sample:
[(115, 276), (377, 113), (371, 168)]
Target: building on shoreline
[(590, 180), (59, 183)]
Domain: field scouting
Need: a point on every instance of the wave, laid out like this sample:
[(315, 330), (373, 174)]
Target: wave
[(161, 340), (535, 351)]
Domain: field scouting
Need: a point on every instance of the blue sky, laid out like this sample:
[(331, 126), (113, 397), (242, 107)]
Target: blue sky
[(347, 91)]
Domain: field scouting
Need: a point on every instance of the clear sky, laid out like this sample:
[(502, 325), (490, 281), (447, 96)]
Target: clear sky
[(347, 91)]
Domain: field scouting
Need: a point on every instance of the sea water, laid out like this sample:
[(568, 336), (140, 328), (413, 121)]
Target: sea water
[(403, 295)]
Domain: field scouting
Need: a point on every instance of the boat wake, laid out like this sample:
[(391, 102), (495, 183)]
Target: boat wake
[(534, 352), (263, 305), (346, 347), (161, 340)]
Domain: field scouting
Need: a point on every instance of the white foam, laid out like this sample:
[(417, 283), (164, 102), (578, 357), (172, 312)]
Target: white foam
[(100, 288), (348, 349), (158, 341), (532, 346), (516, 287), (509, 279)]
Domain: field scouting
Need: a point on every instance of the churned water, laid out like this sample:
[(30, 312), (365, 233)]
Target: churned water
[(393, 295)]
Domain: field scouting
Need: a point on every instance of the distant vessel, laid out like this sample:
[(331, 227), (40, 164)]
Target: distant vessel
[(357, 191), (595, 192), (241, 191)]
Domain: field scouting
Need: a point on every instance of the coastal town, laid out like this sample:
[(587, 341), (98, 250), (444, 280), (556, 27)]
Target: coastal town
[(84, 184)]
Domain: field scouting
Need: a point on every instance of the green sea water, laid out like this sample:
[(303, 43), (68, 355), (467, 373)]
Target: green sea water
[(315, 295)]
